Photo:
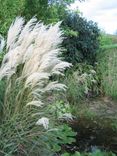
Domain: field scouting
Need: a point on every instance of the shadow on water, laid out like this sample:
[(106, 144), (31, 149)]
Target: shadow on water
[(94, 134)]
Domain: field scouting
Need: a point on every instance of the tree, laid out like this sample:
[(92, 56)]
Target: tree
[(49, 11), (9, 9)]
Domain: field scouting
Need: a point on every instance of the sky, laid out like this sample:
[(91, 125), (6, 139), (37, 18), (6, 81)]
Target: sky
[(104, 12)]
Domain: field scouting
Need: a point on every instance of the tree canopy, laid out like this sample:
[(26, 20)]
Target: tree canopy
[(49, 11)]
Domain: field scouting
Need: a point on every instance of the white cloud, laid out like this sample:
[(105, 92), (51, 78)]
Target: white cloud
[(101, 11)]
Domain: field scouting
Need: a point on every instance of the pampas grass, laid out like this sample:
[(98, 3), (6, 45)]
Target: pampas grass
[(34, 48), (30, 61), (2, 43)]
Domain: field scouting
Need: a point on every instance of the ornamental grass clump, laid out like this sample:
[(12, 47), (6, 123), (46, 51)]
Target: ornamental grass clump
[(30, 62)]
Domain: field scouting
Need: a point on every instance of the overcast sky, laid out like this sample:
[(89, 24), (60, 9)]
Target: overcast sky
[(104, 12)]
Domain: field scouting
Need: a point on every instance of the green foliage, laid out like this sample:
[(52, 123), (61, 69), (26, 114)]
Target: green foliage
[(111, 46), (81, 39), (1, 57), (82, 83), (114, 125), (8, 12), (108, 41), (60, 108), (75, 154), (105, 40), (46, 10), (20, 136), (75, 91), (38, 8), (49, 11), (2, 93), (107, 67), (114, 38), (59, 2), (64, 135), (96, 153)]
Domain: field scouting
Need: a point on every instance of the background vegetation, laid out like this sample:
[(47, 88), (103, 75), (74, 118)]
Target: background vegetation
[(81, 39)]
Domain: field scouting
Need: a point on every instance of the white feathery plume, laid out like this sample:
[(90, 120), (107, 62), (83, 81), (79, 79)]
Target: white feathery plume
[(27, 30), (14, 31), (35, 47), (55, 86), (35, 103), (66, 116), (2, 43), (44, 122), (34, 78), (60, 67)]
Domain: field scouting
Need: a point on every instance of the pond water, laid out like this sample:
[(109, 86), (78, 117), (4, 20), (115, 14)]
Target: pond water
[(93, 134)]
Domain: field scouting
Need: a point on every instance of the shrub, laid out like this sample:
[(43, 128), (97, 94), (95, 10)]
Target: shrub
[(82, 83), (81, 40)]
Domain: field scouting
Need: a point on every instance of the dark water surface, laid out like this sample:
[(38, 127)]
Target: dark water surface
[(92, 134)]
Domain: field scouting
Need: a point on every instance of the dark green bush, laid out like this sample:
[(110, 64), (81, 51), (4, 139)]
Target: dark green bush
[(81, 39)]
